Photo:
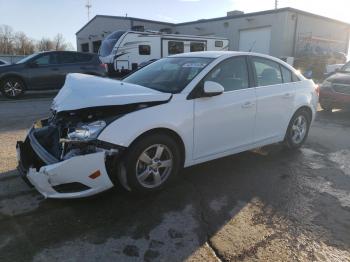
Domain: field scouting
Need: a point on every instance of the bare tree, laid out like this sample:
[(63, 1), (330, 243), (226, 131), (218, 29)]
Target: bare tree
[(45, 44), (60, 43), (17, 43), (22, 44), (6, 39)]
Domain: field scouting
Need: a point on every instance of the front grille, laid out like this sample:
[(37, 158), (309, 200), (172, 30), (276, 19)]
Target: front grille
[(342, 88)]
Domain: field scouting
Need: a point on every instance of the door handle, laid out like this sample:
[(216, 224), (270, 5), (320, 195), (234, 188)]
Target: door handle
[(83, 67), (248, 105), (54, 69), (287, 95)]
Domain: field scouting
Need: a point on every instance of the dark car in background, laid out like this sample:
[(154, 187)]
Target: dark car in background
[(335, 90), (46, 70)]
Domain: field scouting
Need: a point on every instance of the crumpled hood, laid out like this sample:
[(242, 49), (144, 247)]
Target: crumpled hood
[(85, 91)]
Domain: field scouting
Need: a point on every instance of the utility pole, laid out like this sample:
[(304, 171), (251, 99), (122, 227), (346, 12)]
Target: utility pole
[(88, 7), (276, 4)]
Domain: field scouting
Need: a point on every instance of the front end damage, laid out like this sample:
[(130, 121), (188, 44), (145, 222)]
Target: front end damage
[(62, 161)]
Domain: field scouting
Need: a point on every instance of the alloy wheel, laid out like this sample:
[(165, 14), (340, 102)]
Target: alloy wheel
[(299, 129), (12, 88), (154, 166)]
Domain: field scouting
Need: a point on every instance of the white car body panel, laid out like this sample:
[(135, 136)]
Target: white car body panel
[(76, 169), (83, 91)]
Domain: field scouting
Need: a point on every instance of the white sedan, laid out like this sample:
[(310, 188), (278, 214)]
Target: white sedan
[(176, 112)]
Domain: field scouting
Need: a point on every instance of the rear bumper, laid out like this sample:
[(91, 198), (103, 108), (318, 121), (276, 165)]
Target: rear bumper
[(79, 176)]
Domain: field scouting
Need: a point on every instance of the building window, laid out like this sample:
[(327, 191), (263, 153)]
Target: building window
[(144, 49), (197, 47), (96, 46), (85, 47), (219, 43), (139, 28), (175, 47)]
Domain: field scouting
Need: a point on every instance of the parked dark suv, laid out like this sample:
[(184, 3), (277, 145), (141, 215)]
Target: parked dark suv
[(335, 90), (47, 70)]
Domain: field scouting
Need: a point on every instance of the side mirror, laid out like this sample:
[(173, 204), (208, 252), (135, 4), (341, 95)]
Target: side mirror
[(212, 89), (32, 64)]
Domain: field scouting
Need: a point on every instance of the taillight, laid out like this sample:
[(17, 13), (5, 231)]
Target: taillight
[(104, 66), (317, 89)]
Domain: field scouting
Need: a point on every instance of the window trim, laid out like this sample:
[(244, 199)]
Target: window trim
[(219, 41), (177, 41), (150, 50)]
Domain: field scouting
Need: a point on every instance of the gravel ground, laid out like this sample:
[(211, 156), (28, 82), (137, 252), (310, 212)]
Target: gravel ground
[(264, 205)]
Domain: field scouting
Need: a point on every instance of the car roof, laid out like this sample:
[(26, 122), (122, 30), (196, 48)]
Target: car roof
[(227, 54), (217, 54)]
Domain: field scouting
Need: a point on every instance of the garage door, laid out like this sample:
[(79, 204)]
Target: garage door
[(255, 40)]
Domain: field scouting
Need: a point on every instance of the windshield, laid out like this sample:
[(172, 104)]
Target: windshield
[(169, 75), (346, 68), (109, 42), (27, 58)]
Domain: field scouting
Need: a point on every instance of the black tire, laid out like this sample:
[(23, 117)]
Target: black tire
[(132, 162), (326, 107), (12, 87), (290, 139)]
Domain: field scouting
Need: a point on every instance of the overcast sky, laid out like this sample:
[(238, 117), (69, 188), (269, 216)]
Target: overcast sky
[(39, 18)]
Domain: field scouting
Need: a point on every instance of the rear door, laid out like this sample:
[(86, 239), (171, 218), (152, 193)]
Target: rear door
[(43, 72), (275, 93)]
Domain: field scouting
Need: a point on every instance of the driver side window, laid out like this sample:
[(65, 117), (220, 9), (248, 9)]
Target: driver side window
[(44, 60), (232, 74)]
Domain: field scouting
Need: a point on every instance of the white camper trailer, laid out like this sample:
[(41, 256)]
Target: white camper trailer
[(124, 51)]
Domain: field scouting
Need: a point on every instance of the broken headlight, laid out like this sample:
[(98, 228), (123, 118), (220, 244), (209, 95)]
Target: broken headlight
[(87, 131)]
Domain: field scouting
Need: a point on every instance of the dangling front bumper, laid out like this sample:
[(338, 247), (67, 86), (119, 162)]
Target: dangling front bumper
[(76, 177)]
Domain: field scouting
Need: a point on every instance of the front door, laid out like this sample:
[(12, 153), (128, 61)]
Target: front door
[(225, 122), (43, 72)]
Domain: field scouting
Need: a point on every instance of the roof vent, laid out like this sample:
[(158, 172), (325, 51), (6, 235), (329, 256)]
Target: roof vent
[(234, 13)]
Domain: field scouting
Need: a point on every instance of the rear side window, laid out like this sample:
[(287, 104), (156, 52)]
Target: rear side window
[(219, 43), (144, 49), (175, 47), (83, 58), (197, 47), (267, 72), (232, 74), (67, 58)]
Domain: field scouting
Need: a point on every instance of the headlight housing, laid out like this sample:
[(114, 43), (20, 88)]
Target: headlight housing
[(87, 131)]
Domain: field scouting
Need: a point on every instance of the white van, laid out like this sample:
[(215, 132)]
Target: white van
[(124, 51)]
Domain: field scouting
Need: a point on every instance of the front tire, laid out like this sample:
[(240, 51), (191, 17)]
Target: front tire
[(12, 87), (298, 129), (152, 162)]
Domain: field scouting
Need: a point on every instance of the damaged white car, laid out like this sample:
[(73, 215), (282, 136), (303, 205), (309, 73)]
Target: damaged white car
[(176, 112)]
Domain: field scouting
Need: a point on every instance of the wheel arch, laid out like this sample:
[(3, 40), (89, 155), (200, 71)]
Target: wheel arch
[(167, 131), (3, 77)]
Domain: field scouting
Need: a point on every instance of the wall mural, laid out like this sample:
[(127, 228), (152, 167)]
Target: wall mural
[(313, 53)]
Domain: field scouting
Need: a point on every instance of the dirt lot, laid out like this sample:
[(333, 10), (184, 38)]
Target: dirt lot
[(266, 205)]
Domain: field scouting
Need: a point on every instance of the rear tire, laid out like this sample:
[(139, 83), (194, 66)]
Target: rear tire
[(326, 108), (298, 129), (152, 162), (12, 87)]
